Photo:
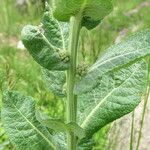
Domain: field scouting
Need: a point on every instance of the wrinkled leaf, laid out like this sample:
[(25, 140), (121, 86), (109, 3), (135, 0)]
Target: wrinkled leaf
[(21, 125), (46, 43), (55, 81), (127, 52), (65, 31), (86, 144), (61, 141), (83, 144), (60, 126), (116, 94), (92, 11)]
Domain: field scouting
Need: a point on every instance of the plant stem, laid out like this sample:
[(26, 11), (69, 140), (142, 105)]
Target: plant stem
[(75, 26), (144, 107), (132, 131)]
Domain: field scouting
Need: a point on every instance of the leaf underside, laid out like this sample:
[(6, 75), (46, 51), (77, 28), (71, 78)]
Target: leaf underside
[(92, 11), (127, 52), (105, 94), (21, 125), (46, 43), (115, 95), (55, 81)]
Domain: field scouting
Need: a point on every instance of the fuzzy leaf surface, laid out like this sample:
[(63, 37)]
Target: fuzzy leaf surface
[(127, 52), (59, 126), (86, 144), (92, 11), (46, 43), (55, 81), (116, 94), (61, 140), (21, 125)]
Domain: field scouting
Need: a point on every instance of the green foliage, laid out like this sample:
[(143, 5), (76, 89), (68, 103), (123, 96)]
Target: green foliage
[(112, 87), (101, 138), (55, 81), (59, 126), (18, 114), (92, 11), (46, 43), (125, 53), (86, 144), (112, 97)]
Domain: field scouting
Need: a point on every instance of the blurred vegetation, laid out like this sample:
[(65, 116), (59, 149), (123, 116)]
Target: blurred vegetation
[(19, 72)]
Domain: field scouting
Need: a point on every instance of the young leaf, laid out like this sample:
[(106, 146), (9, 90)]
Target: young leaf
[(92, 11), (127, 52), (116, 94), (46, 43), (55, 81), (58, 125), (21, 125)]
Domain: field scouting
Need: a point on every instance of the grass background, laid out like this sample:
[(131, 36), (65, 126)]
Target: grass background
[(19, 71)]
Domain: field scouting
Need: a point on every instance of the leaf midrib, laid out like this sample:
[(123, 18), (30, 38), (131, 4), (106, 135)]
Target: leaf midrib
[(39, 132), (62, 36), (112, 58), (61, 33), (89, 116)]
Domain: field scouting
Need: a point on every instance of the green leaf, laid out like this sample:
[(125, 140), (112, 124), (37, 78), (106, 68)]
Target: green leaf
[(90, 24), (86, 144), (116, 94), (21, 125), (82, 144), (55, 81), (65, 31), (61, 141), (78, 131), (59, 126), (54, 124), (46, 43), (127, 52), (92, 11)]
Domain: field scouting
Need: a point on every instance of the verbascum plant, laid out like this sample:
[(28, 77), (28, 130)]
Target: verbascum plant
[(107, 90)]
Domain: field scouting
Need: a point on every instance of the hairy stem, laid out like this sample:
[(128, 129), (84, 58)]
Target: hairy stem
[(144, 108), (75, 26)]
